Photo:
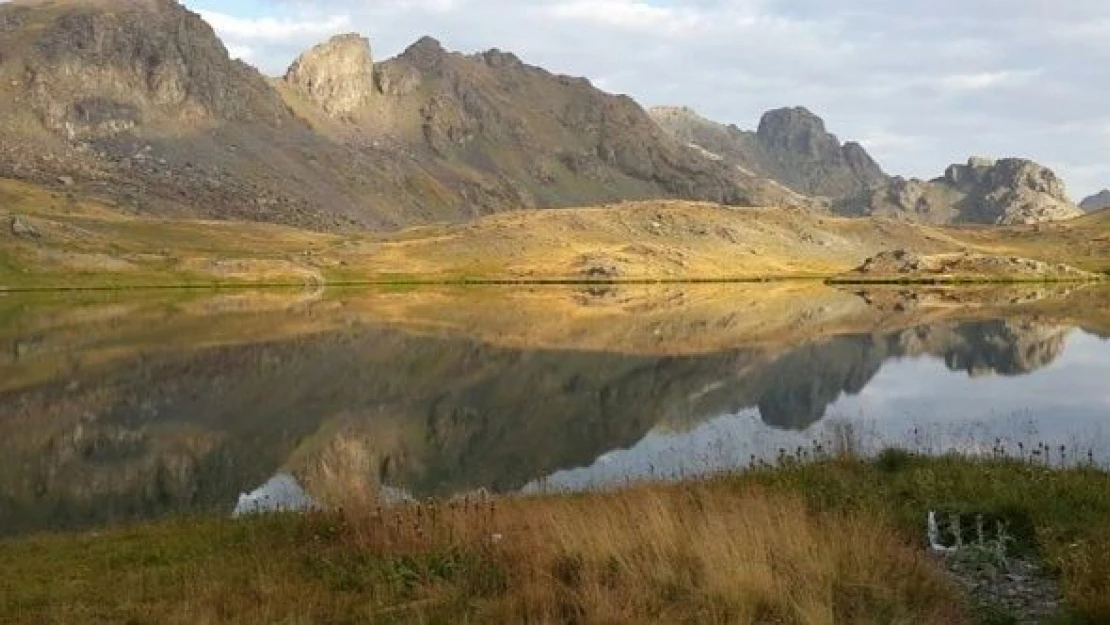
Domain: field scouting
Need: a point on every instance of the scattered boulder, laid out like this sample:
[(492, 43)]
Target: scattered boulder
[(24, 229)]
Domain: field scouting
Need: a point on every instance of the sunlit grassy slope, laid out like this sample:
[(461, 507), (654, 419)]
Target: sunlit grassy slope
[(51, 239)]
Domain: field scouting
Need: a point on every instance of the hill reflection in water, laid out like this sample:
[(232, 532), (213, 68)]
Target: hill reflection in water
[(114, 410)]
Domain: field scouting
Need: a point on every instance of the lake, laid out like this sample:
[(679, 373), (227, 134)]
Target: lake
[(125, 406)]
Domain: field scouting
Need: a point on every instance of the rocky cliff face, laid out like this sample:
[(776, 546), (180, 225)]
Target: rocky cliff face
[(139, 101), (99, 68), (548, 140), (1096, 202), (791, 146), (338, 75), (984, 191)]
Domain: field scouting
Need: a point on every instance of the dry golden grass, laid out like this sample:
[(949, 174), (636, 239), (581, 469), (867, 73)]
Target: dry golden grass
[(833, 542), (686, 555), (85, 242), (648, 554)]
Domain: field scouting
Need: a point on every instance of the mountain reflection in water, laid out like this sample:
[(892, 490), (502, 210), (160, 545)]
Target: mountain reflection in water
[(123, 410)]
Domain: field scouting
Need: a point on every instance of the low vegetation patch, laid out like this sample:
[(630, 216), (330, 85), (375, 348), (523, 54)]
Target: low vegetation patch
[(837, 541)]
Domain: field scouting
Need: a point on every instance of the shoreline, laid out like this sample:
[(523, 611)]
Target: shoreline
[(556, 281)]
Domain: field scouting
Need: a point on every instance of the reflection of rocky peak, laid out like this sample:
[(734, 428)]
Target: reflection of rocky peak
[(1008, 191), (1007, 348), (337, 75), (987, 347), (799, 387), (357, 409), (790, 146)]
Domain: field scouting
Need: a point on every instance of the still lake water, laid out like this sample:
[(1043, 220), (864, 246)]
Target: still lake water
[(114, 408)]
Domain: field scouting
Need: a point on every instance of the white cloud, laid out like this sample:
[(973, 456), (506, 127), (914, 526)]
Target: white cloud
[(980, 81), (241, 52), (273, 30), (921, 84), (627, 14)]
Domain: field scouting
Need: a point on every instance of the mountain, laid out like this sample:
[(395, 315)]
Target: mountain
[(793, 147), (1096, 202), (984, 191), (139, 103), (790, 146)]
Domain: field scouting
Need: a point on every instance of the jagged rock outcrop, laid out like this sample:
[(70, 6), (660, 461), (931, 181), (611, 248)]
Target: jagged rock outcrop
[(106, 66), (791, 146), (984, 191), (1096, 202), (904, 264), (337, 75), (139, 102)]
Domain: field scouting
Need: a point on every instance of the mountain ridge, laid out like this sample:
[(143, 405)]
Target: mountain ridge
[(141, 104), (1009, 191), (1096, 202), (791, 146)]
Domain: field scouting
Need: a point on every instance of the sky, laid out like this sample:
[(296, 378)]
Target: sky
[(919, 84)]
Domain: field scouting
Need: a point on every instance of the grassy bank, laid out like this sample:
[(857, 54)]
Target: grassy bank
[(839, 541), (56, 240)]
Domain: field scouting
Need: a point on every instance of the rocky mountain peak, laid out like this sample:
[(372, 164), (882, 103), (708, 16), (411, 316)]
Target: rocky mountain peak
[(1006, 192), (1096, 202), (338, 75), (425, 53), (1008, 173), (796, 129), (100, 67), (791, 147), (499, 58)]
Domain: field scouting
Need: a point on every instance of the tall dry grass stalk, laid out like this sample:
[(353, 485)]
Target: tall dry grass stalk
[(661, 554)]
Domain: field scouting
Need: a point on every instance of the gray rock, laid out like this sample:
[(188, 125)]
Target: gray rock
[(791, 146), (337, 75), (1005, 192), (23, 229), (1096, 202)]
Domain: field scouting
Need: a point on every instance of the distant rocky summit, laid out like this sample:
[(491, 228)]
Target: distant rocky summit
[(791, 146), (984, 191), (1096, 202), (338, 75)]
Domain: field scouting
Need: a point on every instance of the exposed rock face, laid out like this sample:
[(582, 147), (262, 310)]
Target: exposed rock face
[(139, 100), (812, 157), (103, 67), (1096, 202), (23, 229), (337, 75), (791, 146), (899, 264), (1005, 192)]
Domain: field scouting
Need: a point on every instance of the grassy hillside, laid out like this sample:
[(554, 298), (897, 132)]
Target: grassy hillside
[(53, 239)]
